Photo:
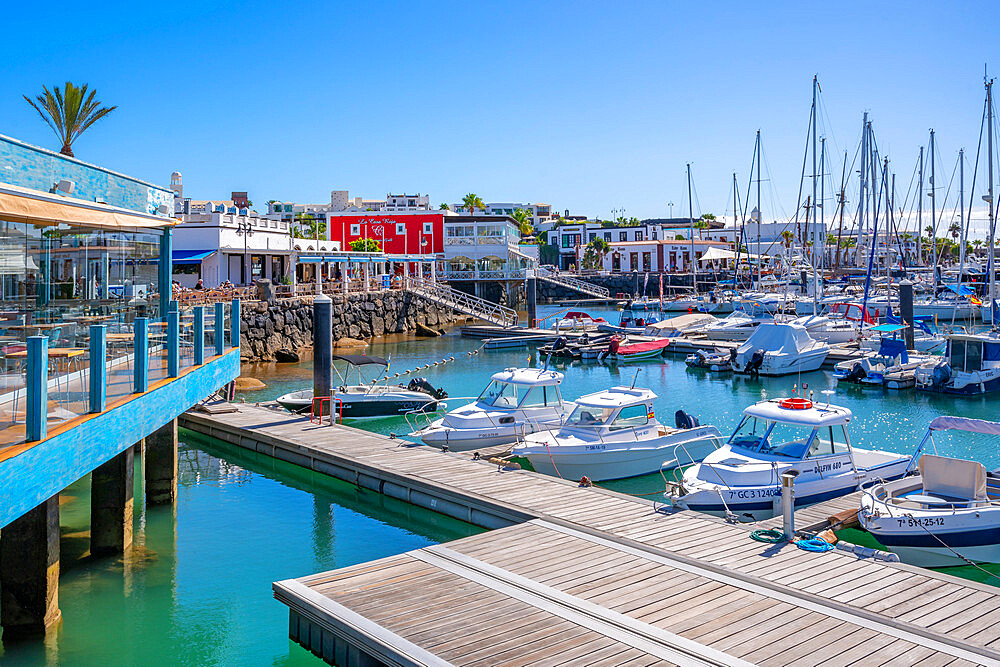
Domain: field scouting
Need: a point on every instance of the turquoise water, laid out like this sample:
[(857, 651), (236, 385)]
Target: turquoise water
[(196, 588)]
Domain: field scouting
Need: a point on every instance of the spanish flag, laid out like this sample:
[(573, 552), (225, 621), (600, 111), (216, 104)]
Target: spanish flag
[(975, 300)]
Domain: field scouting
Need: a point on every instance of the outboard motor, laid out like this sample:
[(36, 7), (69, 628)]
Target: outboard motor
[(756, 361), (613, 346), (857, 373), (422, 385), (684, 420), (941, 375), (559, 343)]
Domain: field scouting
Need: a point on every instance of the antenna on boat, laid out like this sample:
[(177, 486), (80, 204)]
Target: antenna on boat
[(635, 376), (829, 393)]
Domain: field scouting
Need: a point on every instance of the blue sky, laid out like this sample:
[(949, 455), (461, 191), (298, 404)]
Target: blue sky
[(588, 106)]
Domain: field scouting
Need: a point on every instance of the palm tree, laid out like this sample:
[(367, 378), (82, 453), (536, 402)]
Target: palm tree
[(524, 219), (954, 229), (471, 202), (68, 112), (444, 207), (593, 256), (787, 237)]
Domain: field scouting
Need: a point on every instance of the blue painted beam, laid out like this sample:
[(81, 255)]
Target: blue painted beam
[(220, 327), (141, 350), (98, 367), (199, 335), (173, 343), (37, 410), (166, 269), (234, 317), (50, 466)]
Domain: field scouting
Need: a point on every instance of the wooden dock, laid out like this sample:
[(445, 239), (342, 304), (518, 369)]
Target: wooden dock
[(587, 576)]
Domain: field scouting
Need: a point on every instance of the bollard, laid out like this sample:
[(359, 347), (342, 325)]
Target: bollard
[(173, 344), (802, 282), (220, 328), (37, 380), (788, 503), (322, 348), (906, 310), (234, 323), (141, 354), (199, 335)]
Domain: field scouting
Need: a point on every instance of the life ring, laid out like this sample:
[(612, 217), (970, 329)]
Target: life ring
[(796, 403)]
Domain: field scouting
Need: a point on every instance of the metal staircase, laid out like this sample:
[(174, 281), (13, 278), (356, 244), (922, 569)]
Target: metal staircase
[(464, 303), (573, 284)]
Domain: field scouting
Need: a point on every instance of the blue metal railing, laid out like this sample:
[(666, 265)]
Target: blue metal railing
[(94, 380)]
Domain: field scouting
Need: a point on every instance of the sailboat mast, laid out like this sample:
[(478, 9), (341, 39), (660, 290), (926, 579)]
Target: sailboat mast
[(961, 222), (736, 225), (863, 175), (759, 215), (842, 203), (989, 201), (933, 222), (815, 174), (821, 202), (694, 270), (920, 209)]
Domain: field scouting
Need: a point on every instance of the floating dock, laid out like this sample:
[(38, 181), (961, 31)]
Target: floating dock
[(587, 576)]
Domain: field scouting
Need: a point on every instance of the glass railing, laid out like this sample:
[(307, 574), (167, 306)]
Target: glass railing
[(83, 363)]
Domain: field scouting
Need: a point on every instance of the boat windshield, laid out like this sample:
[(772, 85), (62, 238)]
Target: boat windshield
[(540, 397), (588, 415), (499, 395), (773, 438)]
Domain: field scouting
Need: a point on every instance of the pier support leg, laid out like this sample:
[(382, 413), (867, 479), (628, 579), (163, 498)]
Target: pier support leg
[(111, 505), (906, 310), (29, 572), (531, 296), (161, 465)]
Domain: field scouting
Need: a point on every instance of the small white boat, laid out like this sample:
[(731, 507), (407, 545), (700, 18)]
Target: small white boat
[(738, 325), (945, 309), (680, 325), (366, 399), (717, 361), (780, 349), (614, 434), (948, 515), (576, 320), (627, 352), (884, 367), (743, 477), (828, 329), (971, 365), (517, 401)]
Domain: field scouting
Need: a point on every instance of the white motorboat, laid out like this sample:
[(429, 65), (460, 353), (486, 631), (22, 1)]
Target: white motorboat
[(829, 329), (366, 399), (780, 349), (576, 320), (614, 434), (717, 361), (944, 308), (517, 401), (971, 365), (743, 477), (948, 515), (891, 365), (738, 325), (926, 339), (681, 325)]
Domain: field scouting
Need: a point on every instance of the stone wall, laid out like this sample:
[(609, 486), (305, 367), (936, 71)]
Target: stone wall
[(287, 325)]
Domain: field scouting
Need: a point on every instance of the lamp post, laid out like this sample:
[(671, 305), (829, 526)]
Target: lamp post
[(244, 229), (423, 245)]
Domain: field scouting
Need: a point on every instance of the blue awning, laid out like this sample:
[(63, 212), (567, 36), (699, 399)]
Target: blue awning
[(190, 256), (309, 259)]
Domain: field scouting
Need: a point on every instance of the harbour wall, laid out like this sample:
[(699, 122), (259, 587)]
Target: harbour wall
[(627, 284), (287, 324)]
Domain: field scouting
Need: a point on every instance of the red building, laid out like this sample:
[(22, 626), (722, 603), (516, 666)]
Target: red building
[(397, 233)]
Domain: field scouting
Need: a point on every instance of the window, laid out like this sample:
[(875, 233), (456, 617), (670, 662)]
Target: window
[(607, 236), (411, 202), (256, 266), (355, 230), (633, 260), (653, 235), (499, 395), (623, 236), (593, 235), (400, 228), (540, 397), (587, 415), (638, 236), (571, 240), (428, 228), (647, 261), (830, 440), (631, 417), (459, 231)]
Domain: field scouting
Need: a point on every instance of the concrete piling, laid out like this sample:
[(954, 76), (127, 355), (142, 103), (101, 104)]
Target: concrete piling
[(906, 310), (161, 465), (322, 349), (112, 504), (29, 572)]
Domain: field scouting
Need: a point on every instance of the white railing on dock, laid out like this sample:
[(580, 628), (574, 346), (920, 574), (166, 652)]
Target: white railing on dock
[(573, 283), (464, 303)]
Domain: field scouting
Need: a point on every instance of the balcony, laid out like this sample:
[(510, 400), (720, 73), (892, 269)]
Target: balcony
[(68, 405)]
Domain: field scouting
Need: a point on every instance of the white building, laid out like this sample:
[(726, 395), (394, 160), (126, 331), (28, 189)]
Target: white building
[(484, 248), (341, 202), (649, 256), (569, 238), (540, 213)]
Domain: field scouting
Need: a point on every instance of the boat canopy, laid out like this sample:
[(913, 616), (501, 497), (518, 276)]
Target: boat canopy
[(645, 346), (965, 424), (529, 376), (814, 415), (779, 339), (361, 359), (894, 347), (887, 328), (616, 397), (953, 478), (679, 323)]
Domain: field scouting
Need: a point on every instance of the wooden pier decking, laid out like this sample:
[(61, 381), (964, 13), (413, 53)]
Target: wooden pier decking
[(588, 576)]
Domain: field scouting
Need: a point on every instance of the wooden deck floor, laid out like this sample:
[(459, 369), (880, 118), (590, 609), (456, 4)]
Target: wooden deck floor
[(588, 576)]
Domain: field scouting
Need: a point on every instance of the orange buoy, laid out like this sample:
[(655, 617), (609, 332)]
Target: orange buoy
[(796, 403)]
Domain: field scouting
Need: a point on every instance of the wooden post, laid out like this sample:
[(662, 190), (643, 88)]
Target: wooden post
[(111, 505), (173, 344), (98, 367), (199, 335), (141, 353), (220, 328), (37, 410), (29, 572)]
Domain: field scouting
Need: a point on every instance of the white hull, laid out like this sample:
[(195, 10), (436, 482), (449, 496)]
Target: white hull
[(942, 557), (945, 310), (469, 439)]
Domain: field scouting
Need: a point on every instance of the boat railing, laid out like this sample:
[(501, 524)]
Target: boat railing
[(419, 419)]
